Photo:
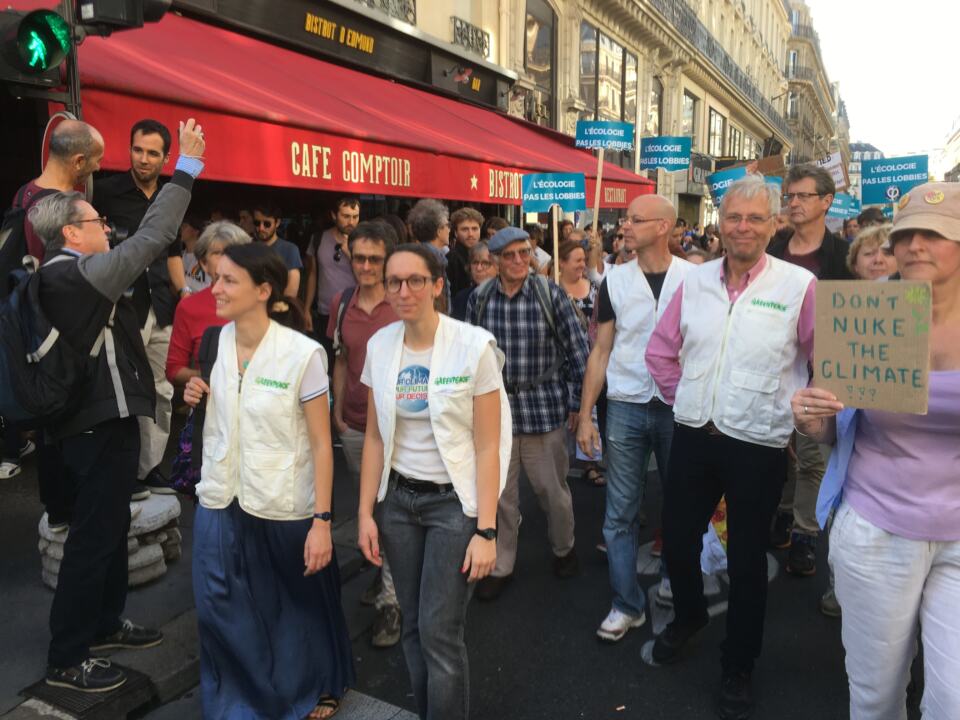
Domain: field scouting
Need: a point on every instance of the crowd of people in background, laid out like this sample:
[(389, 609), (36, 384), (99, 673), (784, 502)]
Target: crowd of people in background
[(435, 349)]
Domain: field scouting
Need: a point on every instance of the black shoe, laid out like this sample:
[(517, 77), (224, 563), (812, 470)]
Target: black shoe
[(669, 644), (736, 697), (566, 566), (128, 636), (802, 559), (491, 586), (386, 629), (93, 675), (780, 534), (140, 492), (158, 483)]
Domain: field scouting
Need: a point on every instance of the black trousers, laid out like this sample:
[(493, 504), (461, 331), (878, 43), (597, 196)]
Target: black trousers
[(101, 465), (56, 490), (703, 468)]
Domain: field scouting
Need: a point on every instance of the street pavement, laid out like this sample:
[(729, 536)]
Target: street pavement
[(533, 652)]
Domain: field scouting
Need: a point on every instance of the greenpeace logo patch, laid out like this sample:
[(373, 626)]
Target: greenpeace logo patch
[(267, 382), (770, 304), (451, 380)]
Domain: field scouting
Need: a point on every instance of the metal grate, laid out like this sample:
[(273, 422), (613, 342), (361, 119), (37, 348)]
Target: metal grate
[(136, 691)]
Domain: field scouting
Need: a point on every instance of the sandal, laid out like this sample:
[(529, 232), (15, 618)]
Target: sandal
[(595, 477), (325, 703)]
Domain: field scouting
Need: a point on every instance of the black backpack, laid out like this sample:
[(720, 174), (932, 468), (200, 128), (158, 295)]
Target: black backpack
[(206, 359), (13, 239), (39, 371)]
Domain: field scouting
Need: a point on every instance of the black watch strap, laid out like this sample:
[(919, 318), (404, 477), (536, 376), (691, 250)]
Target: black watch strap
[(487, 533), (325, 516)]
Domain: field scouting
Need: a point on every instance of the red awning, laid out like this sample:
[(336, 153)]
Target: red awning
[(276, 117)]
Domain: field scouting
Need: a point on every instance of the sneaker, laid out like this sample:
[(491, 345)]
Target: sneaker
[(656, 550), (602, 547), (780, 534), (664, 596), (669, 644), (158, 484), (736, 696), (369, 596), (29, 447), (57, 526), (829, 605), (386, 629), (567, 566), (9, 470), (491, 586), (802, 558), (128, 636), (93, 675), (617, 623), (140, 492)]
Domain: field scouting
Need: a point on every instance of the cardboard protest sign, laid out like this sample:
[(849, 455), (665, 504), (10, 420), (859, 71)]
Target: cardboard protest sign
[(872, 343), (834, 165)]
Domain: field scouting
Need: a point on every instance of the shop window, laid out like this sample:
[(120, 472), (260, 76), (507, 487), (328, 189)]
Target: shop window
[(539, 58)]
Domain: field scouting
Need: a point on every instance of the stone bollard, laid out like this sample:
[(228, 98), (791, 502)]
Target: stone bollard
[(153, 541)]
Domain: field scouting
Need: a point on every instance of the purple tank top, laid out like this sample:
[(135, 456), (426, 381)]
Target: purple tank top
[(904, 474)]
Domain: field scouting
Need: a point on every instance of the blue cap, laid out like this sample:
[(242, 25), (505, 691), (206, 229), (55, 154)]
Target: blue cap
[(504, 237)]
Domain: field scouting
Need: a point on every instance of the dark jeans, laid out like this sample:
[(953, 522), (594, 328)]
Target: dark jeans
[(704, 467), (320, 335), (11, 443), (56, 490), (101, 464), (425, 535)]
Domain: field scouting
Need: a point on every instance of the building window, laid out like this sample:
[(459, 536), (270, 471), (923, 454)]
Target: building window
[(716, 131), (736, 142), (792, 108), (791, 63), (538, 60), (688, 117), (610, 79), (630, 89), (655, 108), (588, 69)]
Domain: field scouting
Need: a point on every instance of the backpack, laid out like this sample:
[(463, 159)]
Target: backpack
[(38, 371), (13, 239), (206, 359), (541, 290), (341, 311)]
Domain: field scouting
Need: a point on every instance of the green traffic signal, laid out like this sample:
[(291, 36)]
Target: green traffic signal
[(43, 40)]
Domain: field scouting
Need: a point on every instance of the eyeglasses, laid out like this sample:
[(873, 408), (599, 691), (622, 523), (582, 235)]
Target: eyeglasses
[(415, 283), (481, 264), (804, 196), (263, 223), (511, 255), (619, 236), (102, 220), (637, 220), (375, 260), (753, 220)]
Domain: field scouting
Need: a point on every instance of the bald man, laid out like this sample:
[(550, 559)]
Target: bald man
[(632, 299), (76, 150)]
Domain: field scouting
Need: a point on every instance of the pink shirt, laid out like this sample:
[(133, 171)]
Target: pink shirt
[(663, 350)]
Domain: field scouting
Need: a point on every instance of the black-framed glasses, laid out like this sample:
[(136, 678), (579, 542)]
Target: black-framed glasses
[(102, 220), (263, 223), (415, 283), (619, 236), (803, 196)]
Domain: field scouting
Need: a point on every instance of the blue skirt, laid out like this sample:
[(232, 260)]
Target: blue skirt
[(271, 640)]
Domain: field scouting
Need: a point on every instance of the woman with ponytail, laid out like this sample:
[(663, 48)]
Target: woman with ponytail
[(273, 639)]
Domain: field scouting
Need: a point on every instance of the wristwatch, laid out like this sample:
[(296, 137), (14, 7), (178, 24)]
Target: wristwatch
[(326, 516), (487, 533)]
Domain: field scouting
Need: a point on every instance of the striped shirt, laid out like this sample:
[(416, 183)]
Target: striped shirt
[(523, 334)]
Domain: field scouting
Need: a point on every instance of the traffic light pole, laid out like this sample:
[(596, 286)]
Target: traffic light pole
[(69, 11)]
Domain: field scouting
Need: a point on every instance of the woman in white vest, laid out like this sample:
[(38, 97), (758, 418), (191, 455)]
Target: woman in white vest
[(273, 639), (435, 457)]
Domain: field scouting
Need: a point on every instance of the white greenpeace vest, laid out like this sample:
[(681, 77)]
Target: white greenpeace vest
[(638, 312), (457, 348), (741, 362), (256, 446)]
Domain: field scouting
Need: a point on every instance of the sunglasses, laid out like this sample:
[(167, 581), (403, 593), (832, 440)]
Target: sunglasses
[(619, 236), (263, 223)]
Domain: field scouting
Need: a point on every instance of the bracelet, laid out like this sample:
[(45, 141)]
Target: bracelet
[(820, 430)]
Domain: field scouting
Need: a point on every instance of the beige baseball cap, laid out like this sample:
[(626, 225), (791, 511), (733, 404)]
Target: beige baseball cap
[(931, 206)]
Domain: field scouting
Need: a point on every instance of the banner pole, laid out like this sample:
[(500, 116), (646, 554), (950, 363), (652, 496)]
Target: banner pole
[(555, 212), (596, 194)]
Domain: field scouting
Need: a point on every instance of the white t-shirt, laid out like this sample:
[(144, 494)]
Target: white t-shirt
[(541, 257), (415, 451)]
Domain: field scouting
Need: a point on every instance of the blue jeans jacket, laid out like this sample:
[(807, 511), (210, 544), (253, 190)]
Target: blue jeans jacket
[(831, 489)]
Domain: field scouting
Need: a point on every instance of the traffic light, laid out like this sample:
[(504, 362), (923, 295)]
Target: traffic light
[(34, 46), (110, 15)]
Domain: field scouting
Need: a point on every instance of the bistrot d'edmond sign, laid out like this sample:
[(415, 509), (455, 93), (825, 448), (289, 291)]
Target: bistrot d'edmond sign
[(244, 150)]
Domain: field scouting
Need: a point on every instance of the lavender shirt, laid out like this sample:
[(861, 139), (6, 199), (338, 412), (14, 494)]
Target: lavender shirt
[(904, 472)]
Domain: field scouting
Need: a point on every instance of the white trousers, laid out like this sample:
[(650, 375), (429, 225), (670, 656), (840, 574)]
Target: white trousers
[(155, 432), (889, 588)]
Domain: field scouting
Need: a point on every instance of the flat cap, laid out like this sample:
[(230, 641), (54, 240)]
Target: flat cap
[(504, 237)]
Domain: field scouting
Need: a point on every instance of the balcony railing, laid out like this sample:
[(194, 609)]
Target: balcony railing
[(806, 74), (808, 33), (685, 20), (405, 10)]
